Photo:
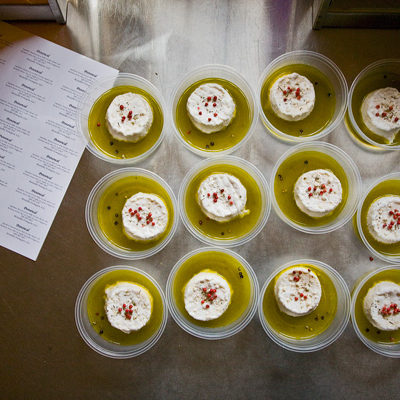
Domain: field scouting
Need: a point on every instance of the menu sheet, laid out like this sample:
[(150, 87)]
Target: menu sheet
[(41, 84)]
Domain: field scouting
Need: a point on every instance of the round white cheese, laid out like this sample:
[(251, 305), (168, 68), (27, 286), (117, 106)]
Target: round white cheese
[(210, 108), (298, 291), (207, 296), (318, 192), (129, 117), (381, 306), (128, 306), (292, 97), (380, 111), (383, 219), (222, 197), (144, 217)]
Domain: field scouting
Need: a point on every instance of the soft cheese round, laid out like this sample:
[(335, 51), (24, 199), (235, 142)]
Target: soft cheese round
[(380, 111), (144, 217), (318, 192), (210, 108), (222, 197), (298, 291), (207, 296), (128, 306), (383, 219), (292, 97), (381, 306), (129, 117)]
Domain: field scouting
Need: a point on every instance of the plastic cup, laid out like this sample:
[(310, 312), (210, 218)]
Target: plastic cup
[(213, 333), (92, 222), (384, 349), (329, 69), (353, 181), (335, 329), (98, 343), (99, 88), (221, 72), (354, 129), (255, 174), (390, 258)]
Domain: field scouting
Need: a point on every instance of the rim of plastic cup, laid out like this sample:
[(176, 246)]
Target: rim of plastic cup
[(311, 56), (95, 91), (97, 343), (388, 349), (328, 336), (215, 71), (257, 176), (351, 168), (220, 332), (91, 214), (353, 121), (390, 259)]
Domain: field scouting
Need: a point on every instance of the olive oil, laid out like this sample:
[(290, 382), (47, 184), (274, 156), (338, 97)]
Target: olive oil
[(233, 272), (307, 326), (365, 86), (324, 107), (98, 317), (112, 147), (113, 200), (287, 175), (389, 187), (217, 141), (235, 228), (365, 327)]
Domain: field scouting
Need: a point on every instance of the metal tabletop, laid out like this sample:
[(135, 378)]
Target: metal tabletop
[(43, 356)]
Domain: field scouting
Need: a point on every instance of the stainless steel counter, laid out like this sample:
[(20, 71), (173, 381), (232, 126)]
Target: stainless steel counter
[(43, 357)]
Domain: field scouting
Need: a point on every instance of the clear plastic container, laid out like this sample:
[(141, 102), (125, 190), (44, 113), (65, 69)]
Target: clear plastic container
[(213, 333), (383, 67), (98, 343), (265, 200), (219, 72), (353, 180), (384, 349), (360, 231), (335, 329), (100, 87), (92, 219), (329, 69)]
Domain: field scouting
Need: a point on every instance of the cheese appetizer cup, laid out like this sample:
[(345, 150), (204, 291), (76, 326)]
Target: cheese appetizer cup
[(131, 213), (311, 327), (142, 117), (373, 117), (212, 293), (376, 286), (302, 96), (92, 313), (314, 202), (224, 201), (214, 110), (381, 233)]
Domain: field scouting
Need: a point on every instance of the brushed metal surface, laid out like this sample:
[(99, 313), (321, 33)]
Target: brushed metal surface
[(43, 357)]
